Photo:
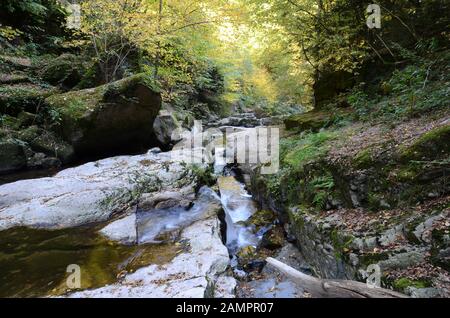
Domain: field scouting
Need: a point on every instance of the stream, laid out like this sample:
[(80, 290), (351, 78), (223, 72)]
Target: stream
[(33, 262)]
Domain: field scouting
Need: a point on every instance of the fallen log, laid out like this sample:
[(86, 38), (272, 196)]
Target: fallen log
[(327, 288)]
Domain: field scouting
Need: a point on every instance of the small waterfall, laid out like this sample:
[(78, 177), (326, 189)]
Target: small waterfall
[(239, 207), (156, 226)]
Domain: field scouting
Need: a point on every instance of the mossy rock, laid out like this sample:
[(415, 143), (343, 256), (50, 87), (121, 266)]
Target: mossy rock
[(314, 121), (12, 155), (246, 255), (41, 140), (23, 97), (9, 79), (65, 70), (273, 239), (108, 118), (9, 122), (363, 159), (164, 126), (26, 119), (18, 63), (261, 219), (373, 258), (429, 146)]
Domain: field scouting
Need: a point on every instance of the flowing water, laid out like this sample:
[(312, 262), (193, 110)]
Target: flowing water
[(156, 226), (238, 206)]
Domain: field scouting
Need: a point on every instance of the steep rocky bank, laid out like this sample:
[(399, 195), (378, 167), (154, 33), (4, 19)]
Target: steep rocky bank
[(360, 196)]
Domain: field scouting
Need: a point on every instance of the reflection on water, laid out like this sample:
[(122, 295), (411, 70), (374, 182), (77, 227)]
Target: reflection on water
[(27, 174), (33, 263)]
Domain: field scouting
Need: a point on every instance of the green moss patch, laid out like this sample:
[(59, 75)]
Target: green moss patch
[(308, 121), (363, 159), (402, 283), (429, 146), (16, 98)]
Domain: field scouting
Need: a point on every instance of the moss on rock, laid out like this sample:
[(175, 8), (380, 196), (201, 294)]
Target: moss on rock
[(313, 120), (363, 159), (16, 98), (262, 218), (402, 283), (429, 146), (41, 140), (104, 119), (64, 70)]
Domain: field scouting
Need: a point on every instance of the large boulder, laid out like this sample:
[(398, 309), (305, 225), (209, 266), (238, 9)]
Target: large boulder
[(110, 118), (164, 126), (93, 192)]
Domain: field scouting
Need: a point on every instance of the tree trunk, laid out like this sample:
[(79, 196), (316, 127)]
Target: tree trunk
[(325, 288)]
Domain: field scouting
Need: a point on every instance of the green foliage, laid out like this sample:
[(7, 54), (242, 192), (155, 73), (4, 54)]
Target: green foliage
[(41, 22), (31, 7), (203, 175), (9, 33), (407, 80), (408, 92), (322, 186), (402, 283), (297, 152)]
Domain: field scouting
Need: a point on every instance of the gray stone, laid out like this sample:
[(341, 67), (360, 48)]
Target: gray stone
[(167, 199), (88, 193), (422, 292), (164, 126), (391, 235), (12, 156), (40, 160), (364, 244), (402, 260), (384, 204), (191, 274), (354, 259), (422, 233), (225, 287), (123, 230)]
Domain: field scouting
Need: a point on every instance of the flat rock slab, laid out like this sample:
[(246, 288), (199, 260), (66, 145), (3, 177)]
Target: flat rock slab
[(85, 194)]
